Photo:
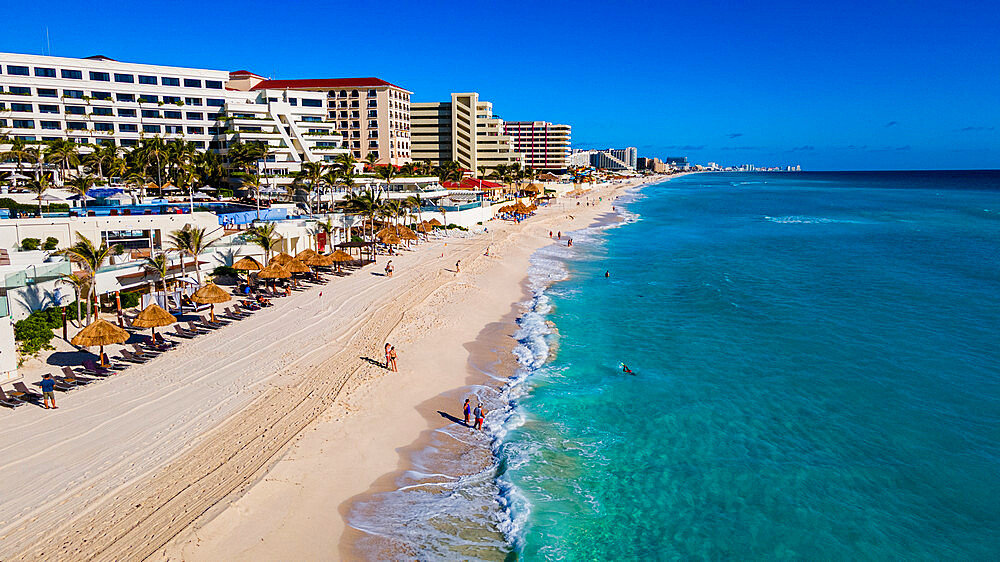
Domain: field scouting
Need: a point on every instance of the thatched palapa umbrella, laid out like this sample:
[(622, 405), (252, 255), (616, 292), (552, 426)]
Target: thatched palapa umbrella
[(210, 294), (434, 222), (248, 264), (153, 317), (340, 257), (274, 271), (389, 238), (424, 227), (100, 332), (296, 266), (305, 254), (318, 260), (281, 259)]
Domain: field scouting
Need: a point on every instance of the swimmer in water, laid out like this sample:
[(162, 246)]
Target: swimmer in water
[(625, 369)]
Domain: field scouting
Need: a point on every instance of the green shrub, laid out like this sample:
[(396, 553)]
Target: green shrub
[(8, 203), (454, 226), (34, 333), (129, 300), (30, 243), (356, 238), (224, 271), (51, 243)]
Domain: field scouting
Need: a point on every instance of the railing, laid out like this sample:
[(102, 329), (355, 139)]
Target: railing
[(36, 274)]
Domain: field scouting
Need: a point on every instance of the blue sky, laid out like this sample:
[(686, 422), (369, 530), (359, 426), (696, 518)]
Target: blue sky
[(828, 85)]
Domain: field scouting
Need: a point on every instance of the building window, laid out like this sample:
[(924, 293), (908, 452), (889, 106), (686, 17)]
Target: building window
[(45, 72), (124, 78), (51, 125), (18, 70), (192, 101), (151, 113), (71, 74), (174, 129), (196, 130), (21, 107), (172, 115), (194, 116), (126, 113), (129, 142), (75, 94), (103, 111), (76, 126), (373, 113), (172, 99), (42, 92), (212, 116), (151, 128), (125, 97), (76, 110), (293, 101), (128, 128), (104, 96), (151, 80), (372, 93), (148, 98), (48, 109), (103, 127), (214, 102), (312, 103), (23, 124), (170, 81), (100, 76), (213, 84), (192, 83), (373, 124), (372, 103), (311, 119)]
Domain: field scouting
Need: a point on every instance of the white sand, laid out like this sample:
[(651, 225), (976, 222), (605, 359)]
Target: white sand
[(245, 442)]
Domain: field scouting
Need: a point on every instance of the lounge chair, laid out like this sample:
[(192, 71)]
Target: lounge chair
[(26, 393), (113, 365), (129, 356), (148, 342), (9, 402), (160, 340), (227, 313), (92, 368), (192, 327), (217, 324), (70, 373), (73, 381), (183, 333), (144, 352)]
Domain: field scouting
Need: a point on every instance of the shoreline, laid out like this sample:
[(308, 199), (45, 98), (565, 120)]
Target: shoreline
[(375, 420)]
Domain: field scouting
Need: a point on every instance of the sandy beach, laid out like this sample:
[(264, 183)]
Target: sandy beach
[(251, 441)]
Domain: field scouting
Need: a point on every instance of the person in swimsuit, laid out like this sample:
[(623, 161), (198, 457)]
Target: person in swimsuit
[(457, 268), (392, 358), (388, 356), (480, 414), (388, 269), (467, 410)]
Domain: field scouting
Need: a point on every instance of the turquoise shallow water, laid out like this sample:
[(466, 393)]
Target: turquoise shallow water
[(817, 377)]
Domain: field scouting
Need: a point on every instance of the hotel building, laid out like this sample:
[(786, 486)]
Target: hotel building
[(610, 159), (372, 115), (545, 146), (463, 130), (98, 100)]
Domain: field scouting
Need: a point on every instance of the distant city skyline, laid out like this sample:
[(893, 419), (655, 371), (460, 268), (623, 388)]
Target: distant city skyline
[(829, 87)]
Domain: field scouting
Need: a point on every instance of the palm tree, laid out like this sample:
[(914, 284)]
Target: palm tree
[(386, 173), (80, 185), (265, 236), (92, 258), (416, 202), (66, 154), (365, 204), (38, 186), (158, 265), (372, 159), (324, 227), (311, 173), (155, 150), (101, 159), (483, 171), (18, 152), (193, 242), (81, 285)]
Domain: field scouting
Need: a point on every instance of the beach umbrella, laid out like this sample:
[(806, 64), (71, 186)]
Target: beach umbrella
[(318, 260), (424, 227), (210, 294), (169, 187), (153, 317), (405, 233), (305, 254), (274, 271), (152, 185), (281, 259), (48, 197), (341, 257), (248, 264), (101, 333), (389, 238), (434, 222), (296, 266)]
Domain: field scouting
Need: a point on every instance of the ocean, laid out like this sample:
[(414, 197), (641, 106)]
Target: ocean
[(816, 375)]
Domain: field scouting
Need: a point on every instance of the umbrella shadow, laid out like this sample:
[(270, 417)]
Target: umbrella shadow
[(70, 358)]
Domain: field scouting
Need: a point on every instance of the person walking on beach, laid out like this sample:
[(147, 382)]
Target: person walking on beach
[(48, 385), (467, 410), (480, 414), (388, 269), (457, 268), (388, 363), (392, 358)]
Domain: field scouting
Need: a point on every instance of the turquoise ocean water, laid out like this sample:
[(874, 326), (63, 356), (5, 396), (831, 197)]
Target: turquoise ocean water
[(817, 376)]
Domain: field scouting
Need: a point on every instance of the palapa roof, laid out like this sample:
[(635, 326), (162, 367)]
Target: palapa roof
[(153, 317), (389, 238), (100, 332), (248, 264), (296, 266), (434, 222), (305, 254), (210, 294), (341, 256), (274, 271), (318, 259), (281, 259), (424, 227)]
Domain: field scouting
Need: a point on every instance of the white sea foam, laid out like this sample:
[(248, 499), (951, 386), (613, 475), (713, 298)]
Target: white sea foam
[(798, 219)]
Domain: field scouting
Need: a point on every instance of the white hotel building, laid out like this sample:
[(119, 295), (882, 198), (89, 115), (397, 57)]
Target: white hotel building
[(100, 100), (545, 146)]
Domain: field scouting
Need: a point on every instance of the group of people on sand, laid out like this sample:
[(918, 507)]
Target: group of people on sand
[(479, 413), (390, 357)]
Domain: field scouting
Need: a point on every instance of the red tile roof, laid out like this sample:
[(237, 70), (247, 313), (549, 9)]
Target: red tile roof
[(322, 83), (469, 183)]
